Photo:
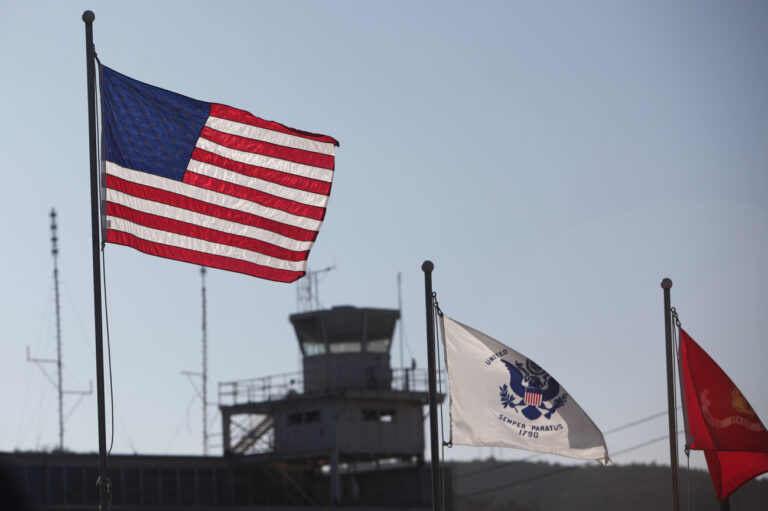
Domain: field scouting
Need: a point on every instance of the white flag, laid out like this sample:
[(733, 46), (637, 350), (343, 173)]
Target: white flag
[(502, 398)]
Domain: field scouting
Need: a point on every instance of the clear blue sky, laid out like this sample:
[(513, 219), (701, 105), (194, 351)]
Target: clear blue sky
[(555, 162)]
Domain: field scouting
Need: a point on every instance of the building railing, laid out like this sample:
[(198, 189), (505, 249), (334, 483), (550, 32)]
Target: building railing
[(279, 386)]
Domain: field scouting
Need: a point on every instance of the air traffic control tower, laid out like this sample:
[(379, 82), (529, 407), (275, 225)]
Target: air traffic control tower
[(346, 414)]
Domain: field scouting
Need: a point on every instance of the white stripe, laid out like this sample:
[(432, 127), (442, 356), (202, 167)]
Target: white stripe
[(216, 198), (285, 192), (267, 135), (260, 160), (185, 215), (198, 245)]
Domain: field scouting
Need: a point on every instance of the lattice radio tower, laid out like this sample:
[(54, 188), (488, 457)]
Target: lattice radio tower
[(58, 382)]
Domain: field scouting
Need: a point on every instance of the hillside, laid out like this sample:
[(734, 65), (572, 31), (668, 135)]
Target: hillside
[(524, 486)]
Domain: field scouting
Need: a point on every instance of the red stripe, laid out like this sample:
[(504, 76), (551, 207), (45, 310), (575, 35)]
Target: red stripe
[(206, 208), (204, 233), (250, 145), (234, 114), (532, 398), (305, 184), (243, 192), (199, 258)]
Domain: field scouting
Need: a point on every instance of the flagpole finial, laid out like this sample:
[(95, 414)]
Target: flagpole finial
[(427, 267), (666, 283), (88, 16)]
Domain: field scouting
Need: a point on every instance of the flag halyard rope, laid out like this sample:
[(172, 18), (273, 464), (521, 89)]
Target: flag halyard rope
[(100, 160), (439, 312), (440, 391), (436, 304), (687, 447)]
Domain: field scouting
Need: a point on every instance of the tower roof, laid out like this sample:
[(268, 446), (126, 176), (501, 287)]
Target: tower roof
[(345, 329)]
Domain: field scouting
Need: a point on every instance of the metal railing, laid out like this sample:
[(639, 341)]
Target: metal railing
[(279, 386), (265, 388)]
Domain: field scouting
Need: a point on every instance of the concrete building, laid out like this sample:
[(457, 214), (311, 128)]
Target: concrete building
[(346, 431)]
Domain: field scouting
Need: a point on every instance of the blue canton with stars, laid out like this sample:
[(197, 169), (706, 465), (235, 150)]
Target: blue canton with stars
[(147, 128)]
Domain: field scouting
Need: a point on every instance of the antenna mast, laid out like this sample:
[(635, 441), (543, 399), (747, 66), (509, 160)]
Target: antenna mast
[(55, 253), (202, 391), (308, 290), (58, 383), (400, 309), (205, 368)]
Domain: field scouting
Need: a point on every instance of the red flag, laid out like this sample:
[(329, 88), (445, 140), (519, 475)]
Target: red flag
[(720, 421)]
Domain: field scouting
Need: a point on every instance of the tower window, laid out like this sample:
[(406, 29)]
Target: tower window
[(296, 418), (378, 415)]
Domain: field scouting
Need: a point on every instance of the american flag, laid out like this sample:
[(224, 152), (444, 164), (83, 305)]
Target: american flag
[(210, 184), (532, 396)]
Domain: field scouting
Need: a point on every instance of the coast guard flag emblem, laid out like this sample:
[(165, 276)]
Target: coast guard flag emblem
[(532, 396), (210, 184), (502, 398)]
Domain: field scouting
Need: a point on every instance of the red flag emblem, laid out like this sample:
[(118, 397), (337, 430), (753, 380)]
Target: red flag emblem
[(720, 421)]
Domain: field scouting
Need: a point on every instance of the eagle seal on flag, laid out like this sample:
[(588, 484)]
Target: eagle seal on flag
[(531, 387), (546, 418)]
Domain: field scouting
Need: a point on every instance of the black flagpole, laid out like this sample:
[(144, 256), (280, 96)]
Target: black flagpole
[(666, 284), (427, 268), (90, 55)]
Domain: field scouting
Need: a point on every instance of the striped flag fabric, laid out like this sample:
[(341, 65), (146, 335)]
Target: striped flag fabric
[(532, 396), (209, 184)]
